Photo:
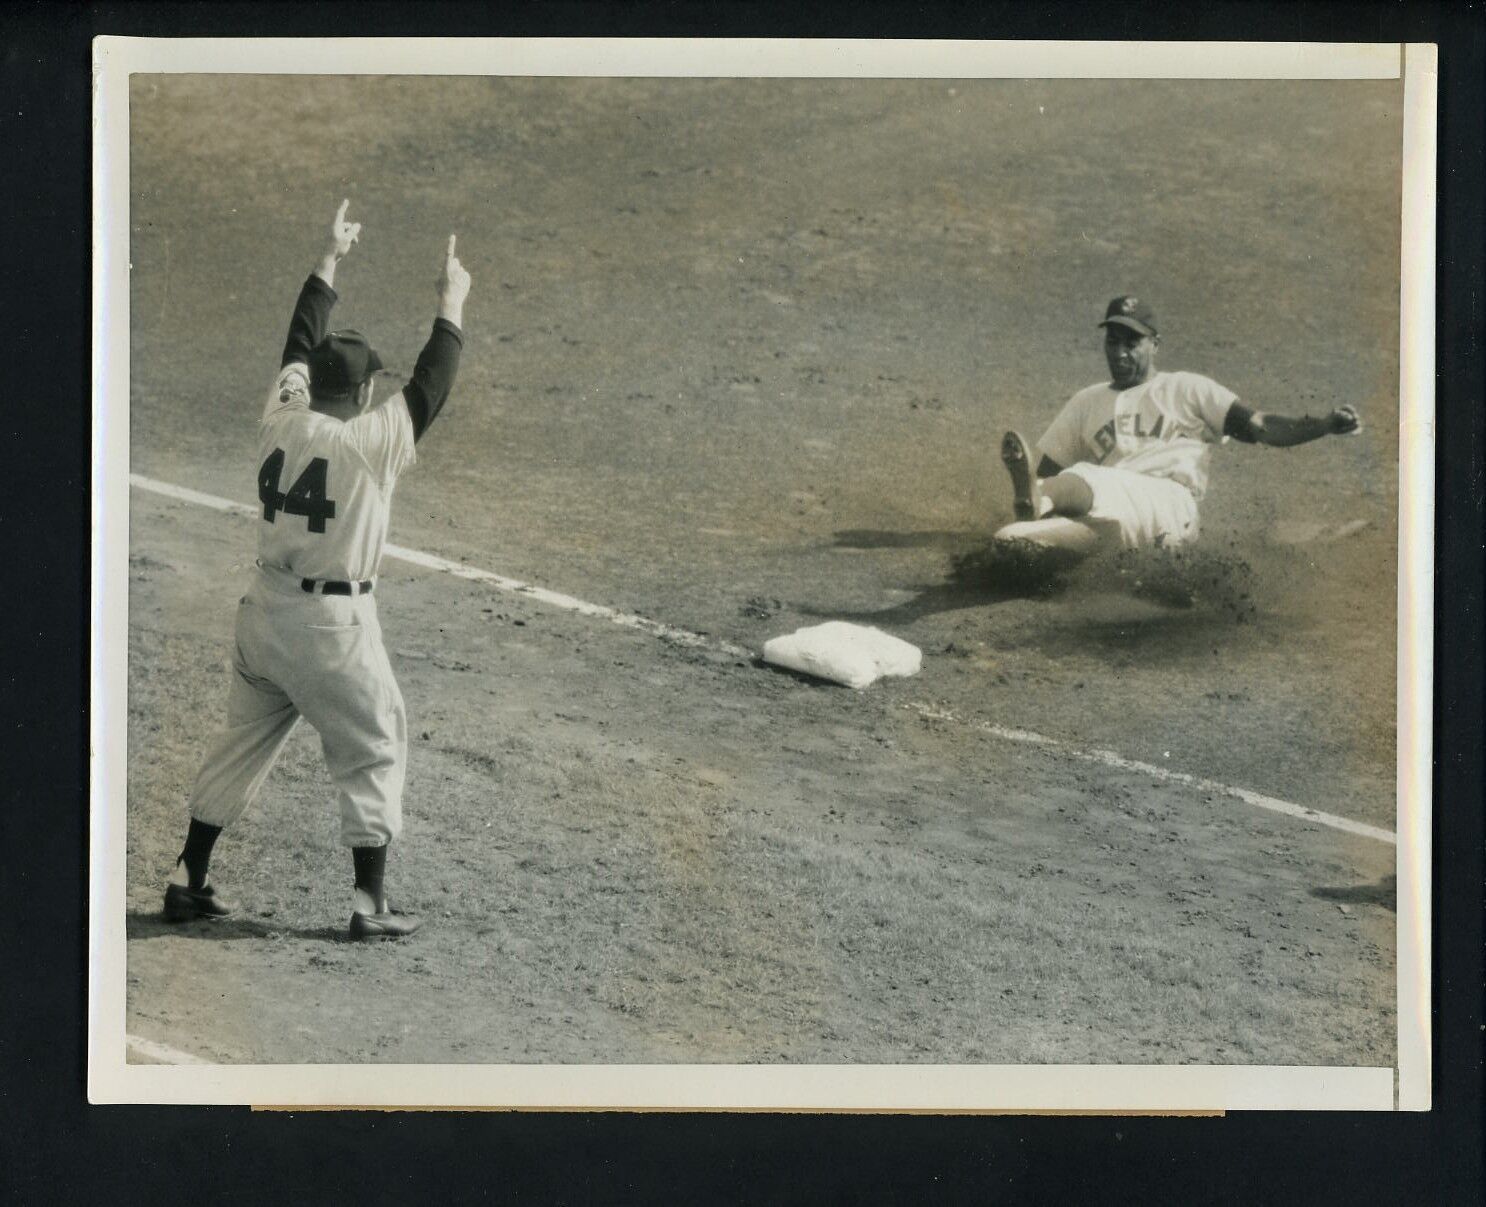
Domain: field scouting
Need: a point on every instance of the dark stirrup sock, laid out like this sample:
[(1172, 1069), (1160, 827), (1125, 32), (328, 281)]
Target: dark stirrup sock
[(371, 867), (197, 855)]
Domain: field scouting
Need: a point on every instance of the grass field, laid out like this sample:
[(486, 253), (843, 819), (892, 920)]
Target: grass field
[(739, 354)]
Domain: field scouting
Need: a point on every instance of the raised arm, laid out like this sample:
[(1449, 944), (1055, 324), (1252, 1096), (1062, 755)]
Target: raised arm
[(1286, 431), (433, 375), (312, 310)]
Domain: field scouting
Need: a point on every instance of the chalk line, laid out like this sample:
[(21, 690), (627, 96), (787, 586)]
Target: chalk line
[(1108, 758), (430, 561), (687, 637), (161, 1053)]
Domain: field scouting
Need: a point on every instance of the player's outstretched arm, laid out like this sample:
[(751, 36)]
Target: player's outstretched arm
[(1286, 431), (438, 363), (312, 309)]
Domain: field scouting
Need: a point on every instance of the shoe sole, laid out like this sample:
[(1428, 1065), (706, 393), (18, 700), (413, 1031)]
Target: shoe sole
[(380, 935), (191, 915), (1017, 458), (179, 911)]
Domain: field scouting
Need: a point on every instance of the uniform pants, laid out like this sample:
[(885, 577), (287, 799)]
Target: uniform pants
[(1146, 512), (320, 657)]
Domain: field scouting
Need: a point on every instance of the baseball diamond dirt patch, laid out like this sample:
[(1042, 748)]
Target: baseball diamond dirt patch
[(739, 355)]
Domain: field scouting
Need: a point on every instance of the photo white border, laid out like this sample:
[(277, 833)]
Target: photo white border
[(876, 1088), (1416, 361)]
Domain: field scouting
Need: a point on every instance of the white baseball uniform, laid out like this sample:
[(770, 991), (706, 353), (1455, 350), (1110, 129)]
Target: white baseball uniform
[(1144, 452), (325, 486)]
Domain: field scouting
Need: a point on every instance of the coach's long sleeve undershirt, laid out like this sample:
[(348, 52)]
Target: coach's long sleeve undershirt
[(310, 322), (433, 375)]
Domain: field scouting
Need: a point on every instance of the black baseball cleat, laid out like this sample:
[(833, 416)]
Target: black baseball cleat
[(393, 924), (1016, 455), (184, 904)]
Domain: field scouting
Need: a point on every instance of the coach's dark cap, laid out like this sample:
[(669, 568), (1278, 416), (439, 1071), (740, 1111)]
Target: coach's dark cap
[(340, 362), (1130, 312)]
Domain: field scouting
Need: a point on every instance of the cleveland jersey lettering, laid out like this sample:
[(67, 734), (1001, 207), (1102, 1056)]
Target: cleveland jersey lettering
[(1164, 427)]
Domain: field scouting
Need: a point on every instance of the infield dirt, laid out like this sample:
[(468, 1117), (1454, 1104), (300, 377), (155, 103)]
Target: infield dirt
[(739, 354)]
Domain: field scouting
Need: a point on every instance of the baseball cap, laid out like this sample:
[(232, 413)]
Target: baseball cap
[(340, 362), (1130, 312)]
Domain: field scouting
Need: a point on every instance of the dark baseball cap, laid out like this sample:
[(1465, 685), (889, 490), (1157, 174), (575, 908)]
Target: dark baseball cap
[(340, 362), (1130, 312)]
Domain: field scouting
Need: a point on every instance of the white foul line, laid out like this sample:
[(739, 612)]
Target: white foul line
[(1107, 758), (431, 561), (161, 1053)]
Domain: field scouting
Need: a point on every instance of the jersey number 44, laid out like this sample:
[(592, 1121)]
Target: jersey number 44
[(306, 497)]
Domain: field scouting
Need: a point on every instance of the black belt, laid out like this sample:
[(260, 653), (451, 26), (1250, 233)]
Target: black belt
[(322, 587)]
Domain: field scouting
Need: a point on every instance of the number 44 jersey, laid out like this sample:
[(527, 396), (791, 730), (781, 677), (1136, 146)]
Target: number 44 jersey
[(325, 484)]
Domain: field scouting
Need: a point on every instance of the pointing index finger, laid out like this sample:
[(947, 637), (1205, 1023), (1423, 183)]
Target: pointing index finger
[(449, 255), (340, 214)]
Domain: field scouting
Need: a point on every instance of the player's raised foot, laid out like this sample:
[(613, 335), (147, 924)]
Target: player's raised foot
[(390, 924), (185, 904), (1016, 455)]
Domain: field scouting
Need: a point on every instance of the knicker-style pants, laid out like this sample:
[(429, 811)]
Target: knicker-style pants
[(1141, 511), (320, 657)]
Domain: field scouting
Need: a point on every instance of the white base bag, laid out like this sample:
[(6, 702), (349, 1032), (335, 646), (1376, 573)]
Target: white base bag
[(852, 654)]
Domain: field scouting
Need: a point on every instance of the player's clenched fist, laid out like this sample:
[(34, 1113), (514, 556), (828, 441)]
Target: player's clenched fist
[(1345, 421), (342, 233), (453, 286)]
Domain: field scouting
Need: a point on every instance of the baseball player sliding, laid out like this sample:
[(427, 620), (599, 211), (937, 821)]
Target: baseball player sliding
[(1126, 460), (308, 640)]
